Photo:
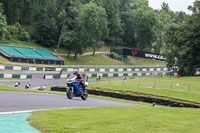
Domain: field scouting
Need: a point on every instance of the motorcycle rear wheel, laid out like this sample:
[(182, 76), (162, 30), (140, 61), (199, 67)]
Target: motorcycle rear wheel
[(69, 93)]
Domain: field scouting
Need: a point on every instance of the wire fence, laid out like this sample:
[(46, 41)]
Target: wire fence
[(107, 66), (158, 83)]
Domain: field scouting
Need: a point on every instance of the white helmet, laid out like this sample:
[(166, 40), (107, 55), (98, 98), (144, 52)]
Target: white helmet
[(75, 71)]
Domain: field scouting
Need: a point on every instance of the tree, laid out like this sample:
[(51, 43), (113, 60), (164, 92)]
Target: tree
[(144, 21), (138, 24), (187, 43), (68, 27), (63, 20), (92, 25), (45, 29), (3, 24), (166, 19), (115, 30), (170, 49), (71, 42)]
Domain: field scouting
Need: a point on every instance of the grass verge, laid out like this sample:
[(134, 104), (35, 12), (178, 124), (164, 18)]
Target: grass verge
[(92, 60), (117, 119), (186, 89), (7, 88)]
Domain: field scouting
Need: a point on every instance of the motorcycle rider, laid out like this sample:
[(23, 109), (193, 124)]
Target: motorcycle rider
[(79, 78)]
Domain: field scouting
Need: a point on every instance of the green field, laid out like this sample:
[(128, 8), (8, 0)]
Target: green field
[(6, 88), (188, 88), (104, 60), (117, 120)]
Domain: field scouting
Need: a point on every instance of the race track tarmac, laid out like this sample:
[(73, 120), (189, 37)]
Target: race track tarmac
[(23, 101), (36, 81)]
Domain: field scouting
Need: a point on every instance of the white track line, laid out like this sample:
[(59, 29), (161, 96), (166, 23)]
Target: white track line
[(16, 112), (29, 111)]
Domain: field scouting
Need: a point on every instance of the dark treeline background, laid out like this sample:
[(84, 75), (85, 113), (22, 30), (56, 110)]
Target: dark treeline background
[(80, 24)]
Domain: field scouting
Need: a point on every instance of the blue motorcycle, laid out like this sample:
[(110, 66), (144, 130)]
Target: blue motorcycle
[(75, 89)]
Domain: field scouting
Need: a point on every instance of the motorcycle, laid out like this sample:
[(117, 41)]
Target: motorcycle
[(75, 89)]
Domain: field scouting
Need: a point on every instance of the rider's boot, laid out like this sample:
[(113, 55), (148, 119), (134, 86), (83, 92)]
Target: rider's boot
[(84, 89)]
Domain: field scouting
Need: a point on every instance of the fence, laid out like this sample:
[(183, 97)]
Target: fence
[(17, 76)]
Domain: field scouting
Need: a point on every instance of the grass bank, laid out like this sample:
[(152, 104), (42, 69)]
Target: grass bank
[(105, 60), (7, 88), (186, 88), (117, 119)]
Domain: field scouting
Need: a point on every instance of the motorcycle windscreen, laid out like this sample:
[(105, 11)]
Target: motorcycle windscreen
[(72, 76)]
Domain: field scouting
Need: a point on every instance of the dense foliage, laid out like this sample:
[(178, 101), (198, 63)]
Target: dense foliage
[(184, 43), (80, 24)]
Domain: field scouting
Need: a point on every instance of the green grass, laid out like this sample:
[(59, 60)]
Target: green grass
[(117, 120), (21, 43), (92, 60), (105, 78), (102, 48), (120, 100), (104, 60), (145, 62), (188, 89), (7, 88)]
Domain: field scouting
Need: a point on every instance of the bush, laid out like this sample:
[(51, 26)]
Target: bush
[(17, 32), (120, 57), (112, 55), (23, 35), (12, 32)]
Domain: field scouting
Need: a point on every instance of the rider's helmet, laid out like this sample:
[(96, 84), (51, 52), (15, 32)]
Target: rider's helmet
[(75, 71)]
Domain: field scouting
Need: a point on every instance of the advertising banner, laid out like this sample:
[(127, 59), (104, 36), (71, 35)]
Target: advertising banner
[(141, 54)]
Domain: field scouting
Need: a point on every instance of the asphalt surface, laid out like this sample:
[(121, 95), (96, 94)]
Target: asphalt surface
[(23, 101), (36, 81)]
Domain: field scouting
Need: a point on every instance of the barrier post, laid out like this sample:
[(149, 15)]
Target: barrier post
[(154, 86), (139, 83), (189, 88), (171, 85)]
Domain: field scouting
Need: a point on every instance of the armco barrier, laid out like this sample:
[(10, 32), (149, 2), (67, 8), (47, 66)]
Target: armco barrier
[(57, 76), (85, 68), (16, 76)]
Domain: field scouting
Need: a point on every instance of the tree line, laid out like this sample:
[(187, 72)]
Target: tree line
[(76, 25)]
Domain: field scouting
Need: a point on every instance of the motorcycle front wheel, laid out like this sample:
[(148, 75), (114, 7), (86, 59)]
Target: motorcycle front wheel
[(69, 93), (84, 96)]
